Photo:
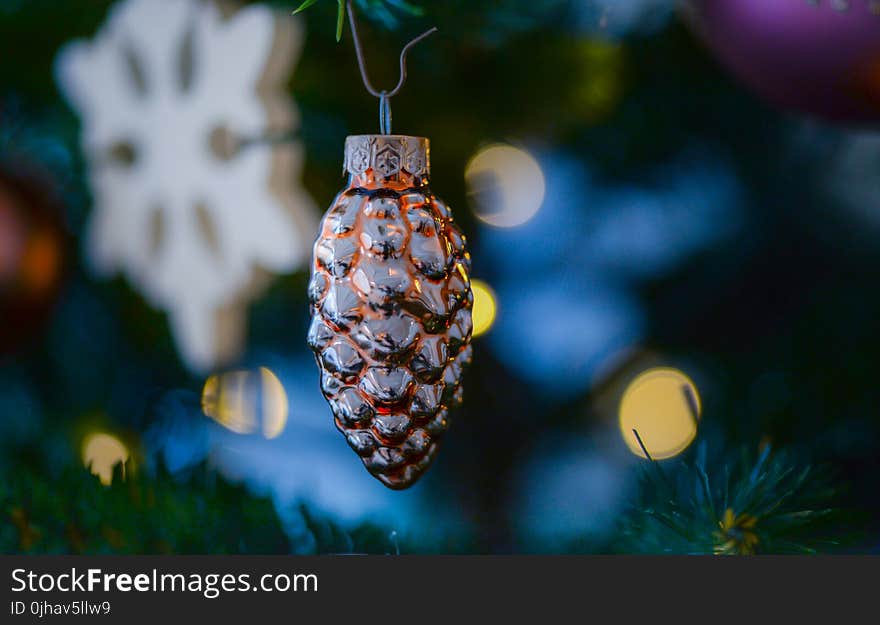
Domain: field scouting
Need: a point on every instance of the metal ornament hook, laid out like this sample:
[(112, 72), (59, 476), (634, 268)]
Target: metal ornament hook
[(384, 113), (384, 96)]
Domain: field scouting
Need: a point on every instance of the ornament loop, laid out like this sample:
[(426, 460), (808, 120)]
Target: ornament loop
[(385, 113), (384, 96)]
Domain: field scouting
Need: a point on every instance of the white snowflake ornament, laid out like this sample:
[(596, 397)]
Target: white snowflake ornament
[(170, 93)]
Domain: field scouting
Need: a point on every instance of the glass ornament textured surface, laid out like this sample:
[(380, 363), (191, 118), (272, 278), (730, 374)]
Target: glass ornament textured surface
[(391, 308)]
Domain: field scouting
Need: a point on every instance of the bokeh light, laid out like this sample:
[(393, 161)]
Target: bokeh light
[(506, 185), (246, 401), (599, 86), (41, 262), (663, 405), (101, 452), (483, 313)]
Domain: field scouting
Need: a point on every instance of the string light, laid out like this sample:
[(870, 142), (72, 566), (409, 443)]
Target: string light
[(101, 452), (483, 313), (506, 185), (663, 406), (246, 401)]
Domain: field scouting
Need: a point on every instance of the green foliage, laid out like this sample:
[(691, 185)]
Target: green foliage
[(141, 512), (771, 504), (381, 10), (72, 512), (328, 537), (305, 5)]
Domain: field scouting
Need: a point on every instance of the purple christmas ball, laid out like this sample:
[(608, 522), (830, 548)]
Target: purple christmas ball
[(817, 56)]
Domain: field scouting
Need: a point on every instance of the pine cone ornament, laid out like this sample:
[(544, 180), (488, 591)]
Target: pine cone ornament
[(391, 308)]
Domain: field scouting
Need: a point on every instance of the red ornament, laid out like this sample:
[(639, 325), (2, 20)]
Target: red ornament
[(391, 308), (817, 56), (31, 257)]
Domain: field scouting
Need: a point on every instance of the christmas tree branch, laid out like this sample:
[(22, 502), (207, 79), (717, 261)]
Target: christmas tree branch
[(378, 9)]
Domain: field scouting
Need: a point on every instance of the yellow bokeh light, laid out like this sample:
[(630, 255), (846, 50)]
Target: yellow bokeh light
[(598, 83), (101, 452), (245, 401), (275, 406), (506, 185), (663, 406), (483, 313)]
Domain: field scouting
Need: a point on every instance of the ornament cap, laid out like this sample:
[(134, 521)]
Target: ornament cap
[(387, 156)]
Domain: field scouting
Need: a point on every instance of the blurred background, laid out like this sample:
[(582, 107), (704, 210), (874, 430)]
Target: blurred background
[(673, 210)]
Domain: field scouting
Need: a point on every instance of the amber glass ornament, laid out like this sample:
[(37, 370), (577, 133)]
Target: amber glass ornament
[(391, 308)]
